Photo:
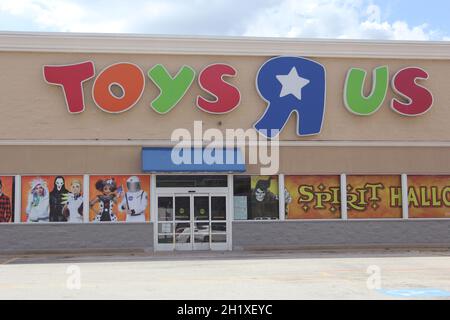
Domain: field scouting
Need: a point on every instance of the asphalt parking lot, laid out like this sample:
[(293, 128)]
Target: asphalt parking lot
[(230, 275)]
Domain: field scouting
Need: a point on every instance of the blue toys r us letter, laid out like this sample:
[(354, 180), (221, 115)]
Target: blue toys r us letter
[(288, 85)]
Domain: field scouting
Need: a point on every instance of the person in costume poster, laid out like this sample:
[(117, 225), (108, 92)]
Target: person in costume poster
[(107, 199), (264, 202), (57, 196), (38, 208), (134, 200), (6, 214), (287, 201), (125, 197), (73, 203)]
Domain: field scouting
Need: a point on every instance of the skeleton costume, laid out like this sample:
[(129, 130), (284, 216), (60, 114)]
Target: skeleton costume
[(38, 205), (263, 201), (135, 201), (56, 200), (106, 202)]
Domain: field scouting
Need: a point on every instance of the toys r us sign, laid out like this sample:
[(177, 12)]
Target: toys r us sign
[(287, 84)]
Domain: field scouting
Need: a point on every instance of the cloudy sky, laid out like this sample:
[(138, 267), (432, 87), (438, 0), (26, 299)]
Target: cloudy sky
[(351, 19)]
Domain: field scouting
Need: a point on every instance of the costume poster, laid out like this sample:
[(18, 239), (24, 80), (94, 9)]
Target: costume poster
[(312, 197), (374, 197), (264, 197), (52, 199), (119, 198), (429, 196), (7, 197)]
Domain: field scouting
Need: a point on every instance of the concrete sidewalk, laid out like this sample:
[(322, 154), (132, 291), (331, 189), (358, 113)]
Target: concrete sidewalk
[(139, 255)]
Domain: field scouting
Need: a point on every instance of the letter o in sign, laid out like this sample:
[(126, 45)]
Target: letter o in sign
[(126, 76)]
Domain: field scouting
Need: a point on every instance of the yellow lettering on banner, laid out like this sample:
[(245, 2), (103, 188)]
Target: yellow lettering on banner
[(435, 201), (362, 196), (353, 202), (335, 191), (423, 197), (321, 198), (445, 196), (396, 196), (374, 191), (306, 193), (412, 197)]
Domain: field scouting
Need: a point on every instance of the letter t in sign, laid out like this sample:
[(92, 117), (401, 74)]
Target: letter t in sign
[(71, 78)]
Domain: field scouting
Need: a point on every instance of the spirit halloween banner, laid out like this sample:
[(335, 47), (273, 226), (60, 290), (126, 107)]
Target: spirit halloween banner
[(7, 196), (374, 197), (429, 196), (52, 199), (312, 197), (119, 198)]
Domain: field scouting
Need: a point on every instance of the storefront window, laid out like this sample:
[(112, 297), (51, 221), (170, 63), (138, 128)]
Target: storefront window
[(312, 197), (53, 198), (182, 208), (165, 208), (201, 208), (429, 197), (256, 198), (218, 208), (119, 198), (374, 197)]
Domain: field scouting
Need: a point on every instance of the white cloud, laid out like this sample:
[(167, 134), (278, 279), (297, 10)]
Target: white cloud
[(280, 18), (61, 15), (349, 19)]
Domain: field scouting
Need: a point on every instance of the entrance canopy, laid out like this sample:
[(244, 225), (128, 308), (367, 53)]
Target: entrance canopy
[(167, 159)]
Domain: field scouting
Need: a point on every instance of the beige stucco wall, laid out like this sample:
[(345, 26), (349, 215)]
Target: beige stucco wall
[(32, 109), (293, 160)]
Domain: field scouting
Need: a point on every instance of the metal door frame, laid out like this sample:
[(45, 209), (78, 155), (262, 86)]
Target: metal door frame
[(192, 192)]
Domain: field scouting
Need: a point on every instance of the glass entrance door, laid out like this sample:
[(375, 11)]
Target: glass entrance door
[(192, 221), (201, 222), (183, 230)]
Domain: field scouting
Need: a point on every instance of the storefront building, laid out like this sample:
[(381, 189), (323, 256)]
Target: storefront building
[(346, 143)]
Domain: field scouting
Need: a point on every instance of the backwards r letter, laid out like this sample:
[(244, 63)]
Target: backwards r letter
[(291, 84)]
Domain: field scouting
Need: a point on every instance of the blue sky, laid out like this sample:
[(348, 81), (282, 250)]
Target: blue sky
[(435, 13), (350, 19)]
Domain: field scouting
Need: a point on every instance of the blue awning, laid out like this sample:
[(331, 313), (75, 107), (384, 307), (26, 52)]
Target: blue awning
[(179, 159)]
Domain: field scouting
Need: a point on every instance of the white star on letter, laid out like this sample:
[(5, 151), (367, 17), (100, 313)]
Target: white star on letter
[(292, 83)]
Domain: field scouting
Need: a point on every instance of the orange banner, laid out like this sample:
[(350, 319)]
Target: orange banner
[(116, 198), (374, 197), (312, 197), (6, 199), (429, 196), (52, 199)]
